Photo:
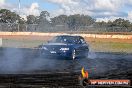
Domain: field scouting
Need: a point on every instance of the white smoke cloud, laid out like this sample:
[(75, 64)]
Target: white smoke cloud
[(2, 1), (88, 5), (32, 10), (106, 19), (64, 1), (4, 5), (130, 16), (100, 9)]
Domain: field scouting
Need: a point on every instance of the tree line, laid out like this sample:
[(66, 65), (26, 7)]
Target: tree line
[(75, 22)]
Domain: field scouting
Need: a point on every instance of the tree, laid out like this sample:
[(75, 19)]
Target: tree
[(74, 21), (6, 16), (44, 14), (59, 20), (43, 22), (122, 23), (11, 20), (119, 25), (43, 17), (31, 19)]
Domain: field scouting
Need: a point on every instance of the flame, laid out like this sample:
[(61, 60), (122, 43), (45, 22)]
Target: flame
[(84, 73)]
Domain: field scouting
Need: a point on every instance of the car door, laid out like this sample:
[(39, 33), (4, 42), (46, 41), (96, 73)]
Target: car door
[(82, 47)]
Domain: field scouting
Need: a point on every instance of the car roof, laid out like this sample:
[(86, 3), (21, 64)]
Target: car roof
[(69, 36)]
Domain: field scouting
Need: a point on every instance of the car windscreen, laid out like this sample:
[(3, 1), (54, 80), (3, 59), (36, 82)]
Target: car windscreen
[(65, 39)]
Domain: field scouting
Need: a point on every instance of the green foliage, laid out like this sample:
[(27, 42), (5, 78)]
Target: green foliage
[(71, 22), (59, 20), (31, 19), (6, 16), (119, 25)]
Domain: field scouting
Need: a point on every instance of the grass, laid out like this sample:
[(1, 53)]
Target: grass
[(21, 43), (99, 32), (96, 45), (110, 45), (122, 47)]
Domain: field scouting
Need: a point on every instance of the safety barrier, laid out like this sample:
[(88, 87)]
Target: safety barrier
[(55, 34)]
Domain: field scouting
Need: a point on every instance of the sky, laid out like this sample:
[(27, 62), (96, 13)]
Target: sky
[(101, 10)]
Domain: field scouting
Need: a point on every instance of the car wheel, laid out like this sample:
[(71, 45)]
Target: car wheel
[(73, 54)]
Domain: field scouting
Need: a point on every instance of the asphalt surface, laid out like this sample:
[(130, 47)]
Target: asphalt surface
[(98, 64)]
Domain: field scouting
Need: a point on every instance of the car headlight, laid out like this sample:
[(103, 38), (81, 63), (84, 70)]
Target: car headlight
[(45, 48), (64, 49)]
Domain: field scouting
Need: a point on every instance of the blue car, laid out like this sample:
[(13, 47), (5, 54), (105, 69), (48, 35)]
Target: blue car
[(65, 46)]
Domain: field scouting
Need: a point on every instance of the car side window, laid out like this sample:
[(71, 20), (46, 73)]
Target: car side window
[(77, 41), (82, 41)]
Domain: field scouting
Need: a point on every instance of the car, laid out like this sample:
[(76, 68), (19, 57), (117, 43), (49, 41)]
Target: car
[(65, 46)]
